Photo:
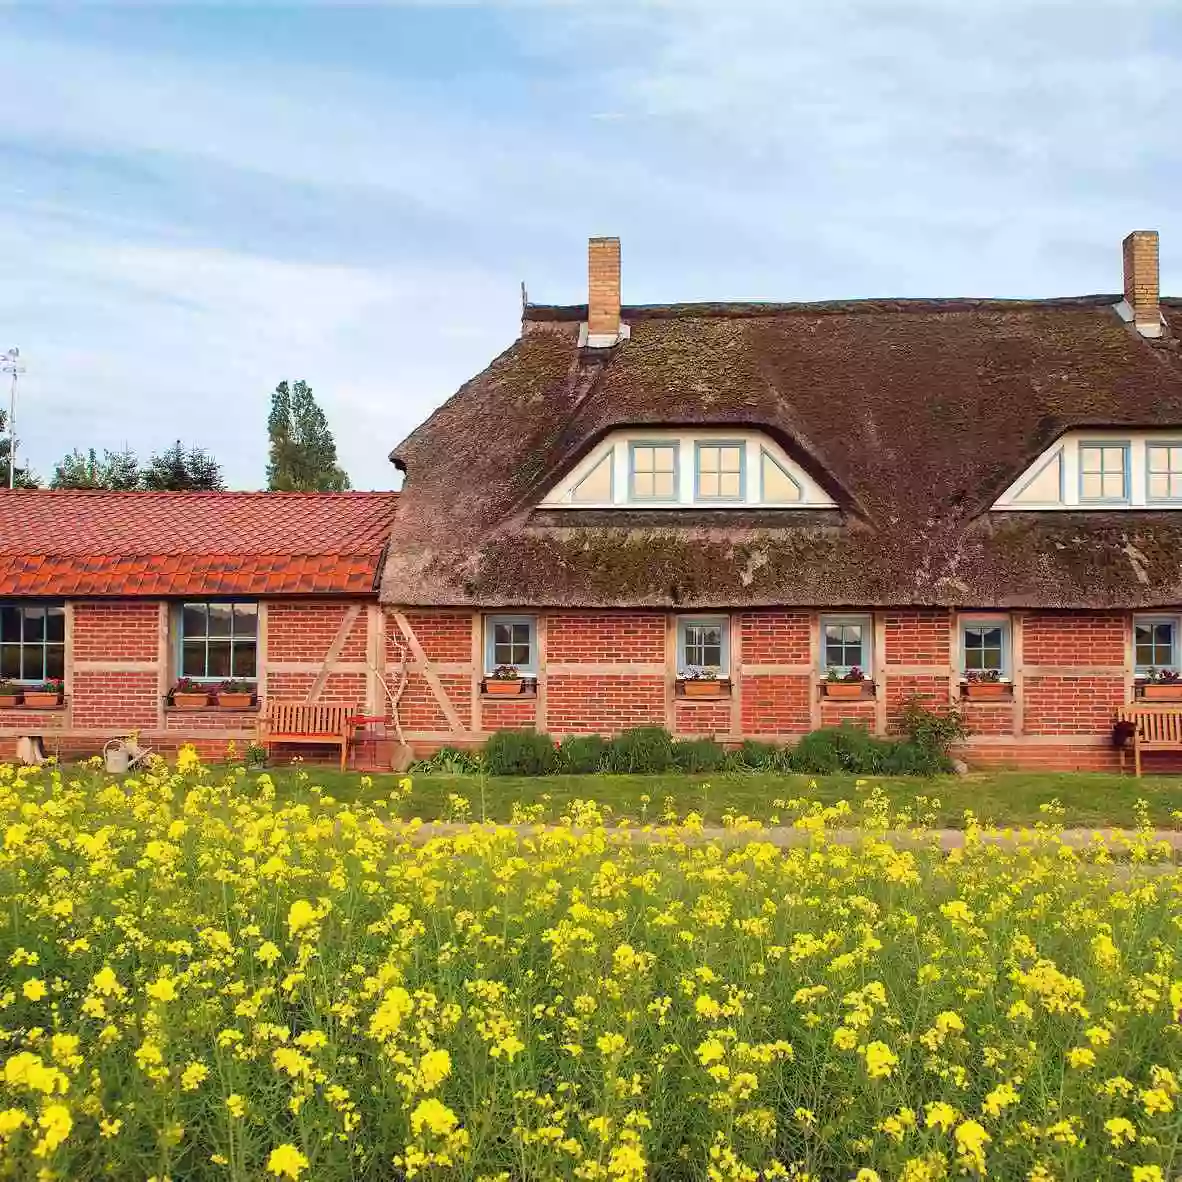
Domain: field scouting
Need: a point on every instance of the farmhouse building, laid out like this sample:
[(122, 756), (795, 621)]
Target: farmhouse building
[(733, 520)]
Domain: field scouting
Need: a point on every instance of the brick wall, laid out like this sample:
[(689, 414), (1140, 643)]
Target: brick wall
[(1062, 639), (601, 638), (775, 704), (306, 632), (444, 636), (917, 637), (702, 718), (126, 630), (604, 703)]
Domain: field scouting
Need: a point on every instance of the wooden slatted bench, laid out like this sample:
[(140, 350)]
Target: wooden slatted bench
[(1155, 728), (299, 722)]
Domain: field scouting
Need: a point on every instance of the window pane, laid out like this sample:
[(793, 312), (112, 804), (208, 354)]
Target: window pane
[(33, 663), (218, 662), (1114, 485), (1144, 655), (642, 459), (730, 460), (730, 485), (193, 619), (642, 484), (708, 484), (33, 624), (708, 459), (55, 662), (55, 624), (193, 658), (663, 486), (244, 659), (663, 459), (502, 634), (1159, 487), (10, 662), (246, 619), (1092, 487), (221, 616), (1163, 634), (973, 659), (519, 655)]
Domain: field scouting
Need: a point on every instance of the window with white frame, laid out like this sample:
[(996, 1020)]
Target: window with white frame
[(846, 644), (1163, 471), (703, 643), (218, 640), (719, 470), (682, 468), (1103, 472), (32, 642), (511, 641), (985, 646), (652, 474), (1155, 643)]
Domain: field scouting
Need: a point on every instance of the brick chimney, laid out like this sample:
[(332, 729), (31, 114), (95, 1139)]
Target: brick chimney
[(603, 293), (1141, 283)]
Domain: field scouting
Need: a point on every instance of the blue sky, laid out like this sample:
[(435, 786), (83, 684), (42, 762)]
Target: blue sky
[(198, 201)]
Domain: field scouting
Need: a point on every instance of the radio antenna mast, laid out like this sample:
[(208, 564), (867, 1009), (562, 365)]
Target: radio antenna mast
[(10, 364)]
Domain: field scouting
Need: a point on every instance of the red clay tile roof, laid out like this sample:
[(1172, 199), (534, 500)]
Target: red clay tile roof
[(146, 543)]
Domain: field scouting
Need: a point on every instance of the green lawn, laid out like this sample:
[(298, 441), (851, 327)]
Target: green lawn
[(1002, 798)]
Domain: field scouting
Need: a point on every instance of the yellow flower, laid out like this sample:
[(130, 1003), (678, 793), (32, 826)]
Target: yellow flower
[(55, 1124), (434, 1068), (880, 1060), (434, 1116), (1120, 1131), (162, 989), (1002, 1097), (193, 1076), (1156, 1100), (12, 1119), (286, 1161), (971, 1140), (710, 1051), (1081, 1057), (105, 981), (34, 989), (610, 1044), (109, 1128), (301, 916), (940, 1115), (1148, 1174), (236, 1104), (268, 953)]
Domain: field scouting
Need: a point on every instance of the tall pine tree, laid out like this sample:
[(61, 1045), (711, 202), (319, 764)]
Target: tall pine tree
[(303, 453), (177, 470)]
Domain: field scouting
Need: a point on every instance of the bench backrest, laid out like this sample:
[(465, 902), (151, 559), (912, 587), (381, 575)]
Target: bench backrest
[(299, 718), (1155, 724)]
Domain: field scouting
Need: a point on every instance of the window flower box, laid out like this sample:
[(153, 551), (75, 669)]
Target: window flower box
[(504, 682), (986, 691), (705, 687), (1162, 685), (10, 695), (47, 696), (844, 686), (189, 695), (235, 695)]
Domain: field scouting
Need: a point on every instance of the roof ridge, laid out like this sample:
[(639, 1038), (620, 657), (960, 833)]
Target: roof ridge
[(739, 309)]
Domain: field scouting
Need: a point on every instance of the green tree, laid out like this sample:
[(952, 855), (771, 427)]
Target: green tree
[(117, 470), (24, 478), (303, 453), (178, 470)]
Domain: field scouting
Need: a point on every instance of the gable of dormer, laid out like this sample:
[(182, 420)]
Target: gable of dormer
[(1105, 469), (687, 468)]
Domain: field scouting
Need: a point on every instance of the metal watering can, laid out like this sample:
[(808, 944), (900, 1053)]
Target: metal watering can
[(121, 755)]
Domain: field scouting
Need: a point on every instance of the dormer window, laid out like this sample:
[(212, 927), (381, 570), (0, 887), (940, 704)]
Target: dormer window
[(704, 467), (653, 474), (1105, 470)]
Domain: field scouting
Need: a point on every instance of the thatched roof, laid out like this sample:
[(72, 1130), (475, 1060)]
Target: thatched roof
[(914, 414)]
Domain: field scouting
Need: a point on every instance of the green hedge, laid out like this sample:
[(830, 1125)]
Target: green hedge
[(921, 751)]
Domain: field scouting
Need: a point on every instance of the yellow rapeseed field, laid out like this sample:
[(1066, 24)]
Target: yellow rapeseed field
[(200, 981)]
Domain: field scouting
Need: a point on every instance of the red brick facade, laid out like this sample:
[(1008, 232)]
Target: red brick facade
[(602, 671), (598, 671)]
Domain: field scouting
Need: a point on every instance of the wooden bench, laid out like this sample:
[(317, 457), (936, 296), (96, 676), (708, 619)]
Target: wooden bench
[(298, 722), (1155, 728)]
